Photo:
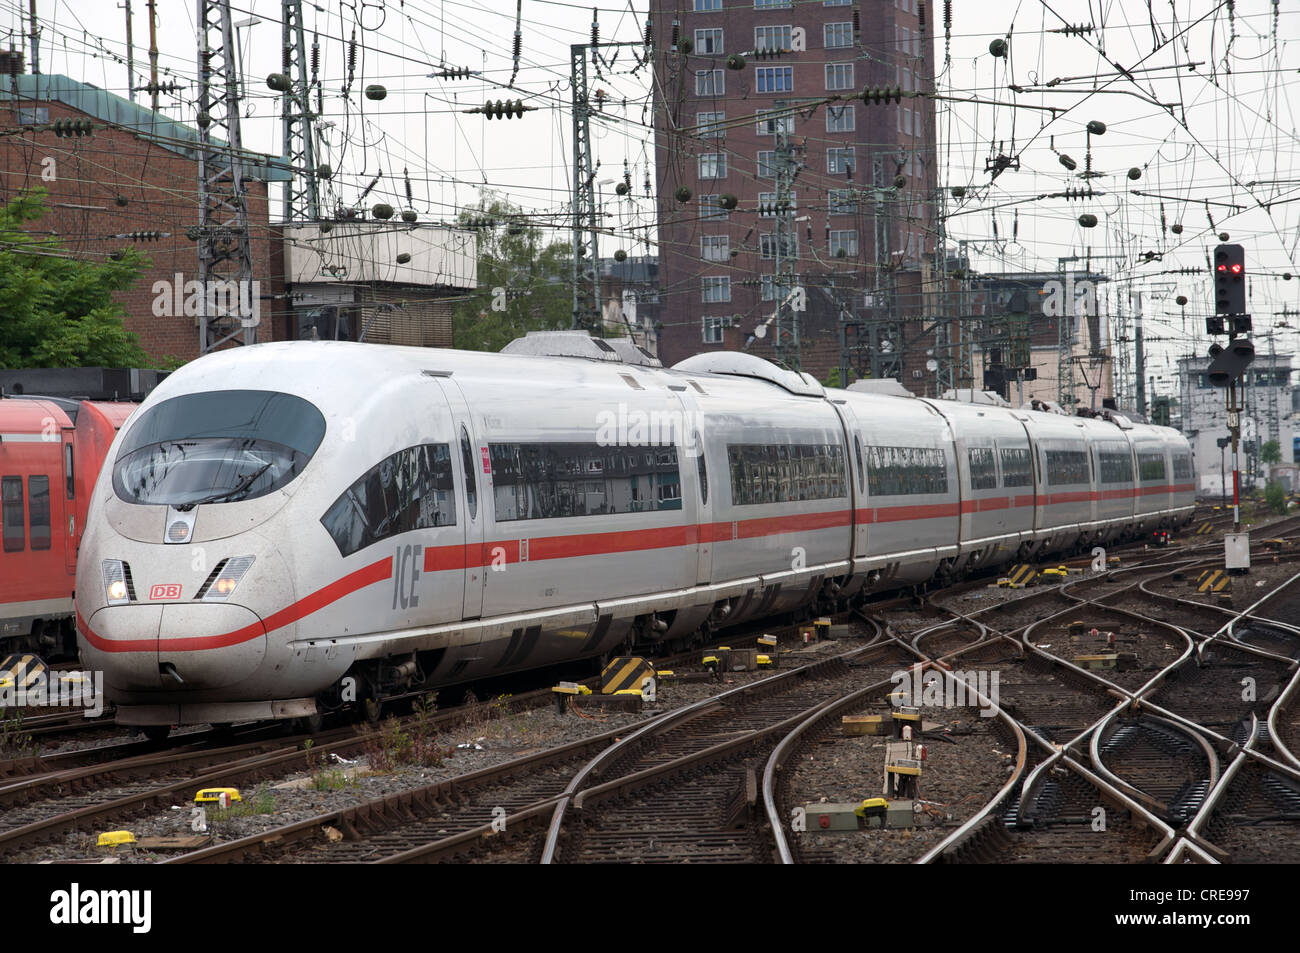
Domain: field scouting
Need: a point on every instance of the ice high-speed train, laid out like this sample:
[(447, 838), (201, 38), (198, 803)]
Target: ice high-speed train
[(280, 522)]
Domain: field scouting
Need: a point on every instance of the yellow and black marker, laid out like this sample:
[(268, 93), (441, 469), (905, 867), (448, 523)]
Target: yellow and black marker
[(1214, 580), (625, 672)]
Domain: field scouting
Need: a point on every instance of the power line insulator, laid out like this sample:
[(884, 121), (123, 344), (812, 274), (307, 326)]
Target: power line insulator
[(507, 109), (456, 72), (877, 95)]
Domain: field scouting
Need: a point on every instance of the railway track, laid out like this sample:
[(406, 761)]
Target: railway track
[(499, 813)]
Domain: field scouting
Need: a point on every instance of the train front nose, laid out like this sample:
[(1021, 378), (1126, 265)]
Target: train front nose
[(174, 647)]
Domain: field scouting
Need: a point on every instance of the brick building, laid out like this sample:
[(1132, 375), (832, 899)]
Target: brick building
[(137, 172), (860, 231)]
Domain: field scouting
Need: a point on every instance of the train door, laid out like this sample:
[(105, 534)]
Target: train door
[(476, 475), (692, 441), (858, 484), (68, 524)]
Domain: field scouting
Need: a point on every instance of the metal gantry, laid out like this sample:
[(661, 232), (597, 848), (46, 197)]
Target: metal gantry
[(225, 248), (301, 192), (586, 264)]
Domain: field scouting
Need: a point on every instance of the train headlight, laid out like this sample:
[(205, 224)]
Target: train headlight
[(117, 582), (227, 576)]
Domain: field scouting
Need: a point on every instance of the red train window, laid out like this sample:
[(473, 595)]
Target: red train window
[(68, 471), (11, 513), (38, 510)]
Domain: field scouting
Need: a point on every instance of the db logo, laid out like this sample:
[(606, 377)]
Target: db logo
[(167, 591)]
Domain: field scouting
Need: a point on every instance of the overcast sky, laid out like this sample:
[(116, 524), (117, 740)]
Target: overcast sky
[(1208, 116)]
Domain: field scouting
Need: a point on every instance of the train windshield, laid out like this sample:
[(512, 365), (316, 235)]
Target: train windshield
[(217, 447)]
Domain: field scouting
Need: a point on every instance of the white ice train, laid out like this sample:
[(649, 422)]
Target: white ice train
[(277, 518)]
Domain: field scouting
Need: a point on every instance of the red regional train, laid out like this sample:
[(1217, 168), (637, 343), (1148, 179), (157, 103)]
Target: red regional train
[(285, 520), (51, 451)]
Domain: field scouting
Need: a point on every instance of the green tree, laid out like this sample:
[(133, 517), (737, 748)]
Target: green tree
[(523, 280), (1271, 452), (56, 310)]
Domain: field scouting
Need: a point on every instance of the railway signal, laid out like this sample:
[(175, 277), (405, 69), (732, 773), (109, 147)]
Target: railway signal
[(1230, 286)]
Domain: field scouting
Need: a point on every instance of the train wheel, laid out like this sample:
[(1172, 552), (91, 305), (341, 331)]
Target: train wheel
[(371, 709), (157, 732)]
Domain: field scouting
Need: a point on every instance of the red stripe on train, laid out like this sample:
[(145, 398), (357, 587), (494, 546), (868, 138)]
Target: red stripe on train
[(352, 582)]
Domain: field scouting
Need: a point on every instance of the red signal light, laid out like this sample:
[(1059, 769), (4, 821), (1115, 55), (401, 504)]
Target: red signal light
[(1236, 269), (1223, 268)]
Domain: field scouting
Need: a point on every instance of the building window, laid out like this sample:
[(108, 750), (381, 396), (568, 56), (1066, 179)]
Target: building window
[(768, 246), (767, 287), (842, 202), (712, 333), (839, 75), (772, 4), (767, 163), (837, 3), (708, 42), (840, 118), (907, 121), (714, 248), (709, 82), (767, 207), (713, 165), (711, 210), (708, 6), (769, 123), (771, 38), (716, 289), (709, 125), (774, 79), (840, 160), (838, 35), (844, 244)]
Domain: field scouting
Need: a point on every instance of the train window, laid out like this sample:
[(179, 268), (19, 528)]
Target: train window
[(68, 472), (38, 510), (785, 473), (905, 471), (216, 447), (1116, 463), (532, 481), (1182, 466), (857, 450), (704, 470), (1151, 467), (11, 513), (412, 489), (1065, 467), (1017, 469), (471, 478), (983, 473)]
